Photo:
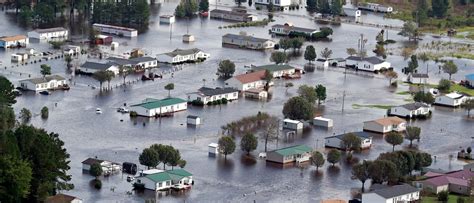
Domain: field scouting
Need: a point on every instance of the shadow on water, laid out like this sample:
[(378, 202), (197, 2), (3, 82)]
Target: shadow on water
[(247, 160)]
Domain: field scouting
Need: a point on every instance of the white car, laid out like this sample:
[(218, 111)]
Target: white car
[(98, 111)]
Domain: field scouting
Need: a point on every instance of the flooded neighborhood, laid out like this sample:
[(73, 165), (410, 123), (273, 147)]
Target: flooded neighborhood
[(239, 102)]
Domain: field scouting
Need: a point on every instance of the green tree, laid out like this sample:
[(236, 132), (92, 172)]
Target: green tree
[(381, 171), (182, 163), (412, 64), (412, 133), (7, 118), (361, 172), (460, 199), (278, 57), (410, 30), (336, 7), (320, 93), (25, 115), (310, 53), (317, 159), (109, 75), (334, 156), (297, 43), (444, 85), (394, 138), (7, 96), (270, 130), (248, 143), (285, 44), (422, 160), (124, 71), (450, 68), (174, 158), (298, 108), (149, 158), (311, 5), (443, 196), (421, 12), (100, 76), (45, 70), (226, 68), (308, 93), (226, 146), (350, 142), (16, 177), (164, 153), (186, 8), (44, 112), (96, 170), (204, 5), (351, 51), (326, 53), (440, 8), (68, 60), (47, 156), (426, 98), (169, 87), (43, 13), (26, 14), (468, 105)]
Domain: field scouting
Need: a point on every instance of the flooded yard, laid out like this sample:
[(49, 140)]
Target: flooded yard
[(117, 137)]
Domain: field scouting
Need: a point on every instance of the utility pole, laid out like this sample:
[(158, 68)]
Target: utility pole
[(171, 30), (343, 100)]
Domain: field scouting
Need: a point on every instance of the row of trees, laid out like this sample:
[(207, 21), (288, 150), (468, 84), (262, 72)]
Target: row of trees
[(157, 153), (131, 13), (33, 162), (391, 167), (317, 158), (310, 53), (188, 8), (333, 7)]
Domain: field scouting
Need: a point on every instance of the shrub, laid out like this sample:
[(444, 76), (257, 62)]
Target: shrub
[(97, 184), (443, 196), (209, 103), (44, 112), (133, 114), (224, 101), (444, 85), (219, 102), (197, 103), (214, 102)]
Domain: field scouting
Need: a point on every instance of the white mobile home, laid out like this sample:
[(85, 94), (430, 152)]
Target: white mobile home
[(213, 149), (17, 57), (182, 56), (247, 42), (206, 95), (392, 194), (107, 166), (453, 99), (322, 63), (90, 67), (167, 19), (418, 78), (286, 29), (371, 64), (411, 110), (49, 33), (292, 124), (244, 82), (14, 41), (298, 153), (385, 125), (162, 180), (336, 141), (322, 122), (115, 30), (144, 62), (154, 107), (43, 83), (277, 71), (240, 16)]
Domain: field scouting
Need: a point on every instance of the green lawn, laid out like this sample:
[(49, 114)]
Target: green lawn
[(462, 89), (404, 93), (452, 199)]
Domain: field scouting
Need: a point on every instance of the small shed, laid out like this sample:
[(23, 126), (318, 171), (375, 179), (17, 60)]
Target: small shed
[(129, 168), (193, 120), (292, 124), (17, 57), (322, 122), (167, 19), (188, 38), (213, 149), (114, 45), (256, 93)]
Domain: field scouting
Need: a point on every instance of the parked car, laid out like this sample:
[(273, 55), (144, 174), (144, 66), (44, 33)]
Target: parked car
[(98, 111), (44, 93), (17, 92)]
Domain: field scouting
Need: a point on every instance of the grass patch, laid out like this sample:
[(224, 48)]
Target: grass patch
[(452, 199), (409, 100), (462, 89), (377, 106), (404, 93)]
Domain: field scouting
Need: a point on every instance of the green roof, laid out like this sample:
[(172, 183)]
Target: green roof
[(274, 67), (150, 103), (159, 177), (298, 149), (179, 172), (175, 174)]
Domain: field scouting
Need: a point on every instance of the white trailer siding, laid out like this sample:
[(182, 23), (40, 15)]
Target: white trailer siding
[(323, 122), (116, 30)]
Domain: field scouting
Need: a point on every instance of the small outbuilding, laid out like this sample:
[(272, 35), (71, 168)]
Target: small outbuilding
[(292, 124), (213, 149), (298, 153), (256, 93), (193, 120), (167, 19), (129, 168), (322, 122)]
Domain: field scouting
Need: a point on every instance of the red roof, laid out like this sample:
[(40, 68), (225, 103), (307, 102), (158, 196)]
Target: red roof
[(456, 178), (60, 198), (251, 77)]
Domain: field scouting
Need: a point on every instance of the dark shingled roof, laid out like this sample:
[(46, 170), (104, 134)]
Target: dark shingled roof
[(217, 91), (414, 106), (90, 161), (419, 75), (183, 52), (361, 135), (45, 79), (245, 37), (96, 66), (193, 117), (395, 191), (372, 59), (142, 59)]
